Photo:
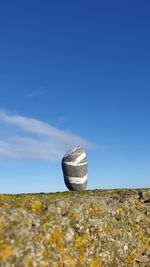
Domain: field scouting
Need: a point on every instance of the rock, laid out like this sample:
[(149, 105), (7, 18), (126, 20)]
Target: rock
[(83, 232), (70, 235), (146, 197), (74, 166)]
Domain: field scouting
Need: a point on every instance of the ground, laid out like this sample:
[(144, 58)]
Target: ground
[(109, 228)]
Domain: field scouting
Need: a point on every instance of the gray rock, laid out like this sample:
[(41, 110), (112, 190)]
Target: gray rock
[(70, 235), (74, 166)]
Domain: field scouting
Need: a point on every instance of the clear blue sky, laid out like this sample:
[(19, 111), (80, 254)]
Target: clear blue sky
[(74, 72)]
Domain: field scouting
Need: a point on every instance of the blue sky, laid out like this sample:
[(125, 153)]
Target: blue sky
[(74, 73)]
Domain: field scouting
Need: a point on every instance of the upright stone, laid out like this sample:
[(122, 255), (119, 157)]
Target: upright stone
[(74, 166)]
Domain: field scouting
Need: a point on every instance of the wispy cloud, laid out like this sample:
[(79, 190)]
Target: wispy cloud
[(29, 138), (36, 93)]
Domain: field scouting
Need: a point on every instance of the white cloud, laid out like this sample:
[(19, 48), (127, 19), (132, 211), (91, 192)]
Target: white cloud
[(37, 93), (34, 139)]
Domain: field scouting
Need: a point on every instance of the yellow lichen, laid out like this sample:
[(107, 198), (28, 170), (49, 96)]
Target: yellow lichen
[(5, 251), (57, 235), (39, 237), (5, 197), (96, 262), (132, 256), (66, 262), (137, 227), (46, 253), (119, 210), (74, 217), (36, 206), (81, 243), (46, 225), (21, 203), (82, 259), (29, 262), (70, 262), (138, 205), (93, 208), (56, 239), (144, 242)]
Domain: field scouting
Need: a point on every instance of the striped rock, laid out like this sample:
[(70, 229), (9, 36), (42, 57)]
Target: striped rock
[(74, 166)]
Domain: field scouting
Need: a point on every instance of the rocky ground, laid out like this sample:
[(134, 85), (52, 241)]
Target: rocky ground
[(109, 228)]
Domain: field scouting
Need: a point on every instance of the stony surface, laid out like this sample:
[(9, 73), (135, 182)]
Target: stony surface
[(109, 228)]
